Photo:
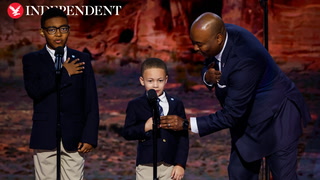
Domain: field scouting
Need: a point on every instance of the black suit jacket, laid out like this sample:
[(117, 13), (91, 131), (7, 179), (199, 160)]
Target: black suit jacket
[(173, 146), (79, 112), (253, 91)]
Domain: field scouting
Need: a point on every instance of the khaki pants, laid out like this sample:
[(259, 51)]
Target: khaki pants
[(45, 161), (145, 172)]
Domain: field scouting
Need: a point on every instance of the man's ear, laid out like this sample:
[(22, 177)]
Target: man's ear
[(141, 80), (41, 32), (219, 38)]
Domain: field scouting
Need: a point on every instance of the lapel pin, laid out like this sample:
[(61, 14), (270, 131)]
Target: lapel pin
[(73, 56)]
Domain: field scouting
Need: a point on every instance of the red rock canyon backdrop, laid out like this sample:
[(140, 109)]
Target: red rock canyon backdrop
[(119, 42)]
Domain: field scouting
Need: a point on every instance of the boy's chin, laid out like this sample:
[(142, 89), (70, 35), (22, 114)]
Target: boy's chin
[(55, 46), (159, 93)]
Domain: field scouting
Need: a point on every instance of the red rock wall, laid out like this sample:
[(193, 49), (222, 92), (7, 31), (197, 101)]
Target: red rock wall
[(158, 28), (293, 28)]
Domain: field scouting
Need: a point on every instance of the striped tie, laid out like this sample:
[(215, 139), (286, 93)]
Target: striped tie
[(160, 108)]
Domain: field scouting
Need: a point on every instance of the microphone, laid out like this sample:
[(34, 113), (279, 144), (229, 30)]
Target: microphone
[(152, 96), (59, 51)]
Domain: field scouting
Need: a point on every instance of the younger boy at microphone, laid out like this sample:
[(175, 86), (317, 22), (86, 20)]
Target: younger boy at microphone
[(173, 146), (78, 107)]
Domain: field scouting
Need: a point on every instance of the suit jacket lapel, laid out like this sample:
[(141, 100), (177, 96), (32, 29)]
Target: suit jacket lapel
[(171, 103), (70, 53), (46, 58), (220, 92), (226, 53)]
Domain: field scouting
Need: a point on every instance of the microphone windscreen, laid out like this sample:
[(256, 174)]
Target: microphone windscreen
[(152, 95), (59, 51)]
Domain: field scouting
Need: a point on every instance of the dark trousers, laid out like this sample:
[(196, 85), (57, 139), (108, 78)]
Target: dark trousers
[(239, 169), (282, 164)]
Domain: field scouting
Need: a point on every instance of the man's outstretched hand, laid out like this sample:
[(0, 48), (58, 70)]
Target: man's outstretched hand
[(172, 122)]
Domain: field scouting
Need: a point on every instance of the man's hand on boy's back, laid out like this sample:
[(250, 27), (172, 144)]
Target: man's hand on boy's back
[(73, 67)]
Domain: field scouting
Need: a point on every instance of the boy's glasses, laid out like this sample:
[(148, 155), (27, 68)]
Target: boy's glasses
[(52, 30)]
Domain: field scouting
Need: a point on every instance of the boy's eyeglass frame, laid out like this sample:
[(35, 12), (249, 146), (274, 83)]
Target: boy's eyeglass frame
[(53, 30)]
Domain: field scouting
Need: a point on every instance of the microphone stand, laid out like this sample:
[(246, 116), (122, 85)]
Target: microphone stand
[(155, 132), (58, 130), (153, 97), (264, 5)]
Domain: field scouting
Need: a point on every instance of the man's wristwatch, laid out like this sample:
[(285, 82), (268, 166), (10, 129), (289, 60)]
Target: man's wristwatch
[(185, 125)]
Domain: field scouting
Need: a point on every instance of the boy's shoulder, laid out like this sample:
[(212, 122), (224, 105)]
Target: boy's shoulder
[(172, 98), (78, 54), (138, 102), (73, 50), (35, 53), (139, 99)]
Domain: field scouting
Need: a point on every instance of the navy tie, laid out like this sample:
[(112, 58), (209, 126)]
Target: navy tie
[(160, 108), (56, 64), (216, 64)]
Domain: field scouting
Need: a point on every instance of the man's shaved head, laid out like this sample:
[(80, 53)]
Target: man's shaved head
[(208, 34), (209, 22)]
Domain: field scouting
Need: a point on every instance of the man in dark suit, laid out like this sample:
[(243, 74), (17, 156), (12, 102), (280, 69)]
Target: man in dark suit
[(260, 105), (78, 107)]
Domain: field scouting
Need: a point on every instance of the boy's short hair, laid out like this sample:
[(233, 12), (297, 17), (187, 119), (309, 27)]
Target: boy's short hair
[(51, 13), (153, 63)]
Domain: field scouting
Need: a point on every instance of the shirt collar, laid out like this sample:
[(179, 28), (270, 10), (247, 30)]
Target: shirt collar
[(162, 97), (51, 52), (218, 56)]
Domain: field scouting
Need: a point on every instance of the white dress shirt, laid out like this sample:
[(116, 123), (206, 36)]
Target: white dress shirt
[(164, 103), (218, 57), (52, 51), (193, 120)]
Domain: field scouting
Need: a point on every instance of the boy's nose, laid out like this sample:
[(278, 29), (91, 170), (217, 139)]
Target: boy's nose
[(58, 33), (155, 84)]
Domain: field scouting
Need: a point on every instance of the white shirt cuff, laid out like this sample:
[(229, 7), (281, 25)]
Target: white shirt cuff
[(194, 125), (204, 81)]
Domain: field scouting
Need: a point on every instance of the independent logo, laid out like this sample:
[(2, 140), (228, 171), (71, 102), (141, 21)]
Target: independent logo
[(15, 10)]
